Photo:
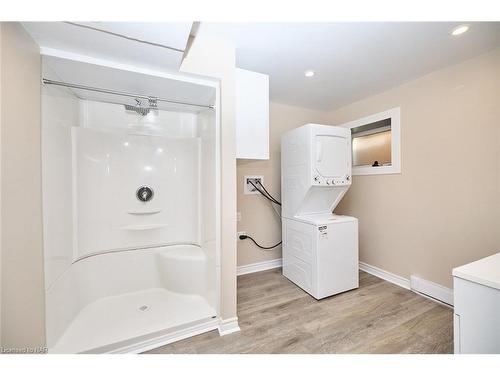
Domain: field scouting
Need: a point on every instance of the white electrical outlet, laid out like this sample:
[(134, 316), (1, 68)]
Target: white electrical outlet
[(248, 188), (242, 233)]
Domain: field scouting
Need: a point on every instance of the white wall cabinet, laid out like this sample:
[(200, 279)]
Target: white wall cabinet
[(252, 115), (477, 306)]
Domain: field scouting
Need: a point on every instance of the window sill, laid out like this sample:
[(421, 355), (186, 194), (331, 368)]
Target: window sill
[(368, 170)]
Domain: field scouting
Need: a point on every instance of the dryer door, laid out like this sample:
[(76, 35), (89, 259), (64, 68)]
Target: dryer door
[(332, 157)]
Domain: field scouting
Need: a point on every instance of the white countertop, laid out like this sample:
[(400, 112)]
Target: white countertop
[(484, 271)]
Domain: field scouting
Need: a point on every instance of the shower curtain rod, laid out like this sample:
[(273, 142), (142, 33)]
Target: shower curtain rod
[(120, 93)]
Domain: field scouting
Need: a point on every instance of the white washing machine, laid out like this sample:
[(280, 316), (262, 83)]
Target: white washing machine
[(320, 249)]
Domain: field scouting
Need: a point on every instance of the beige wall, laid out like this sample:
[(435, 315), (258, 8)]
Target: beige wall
[(21, 212), (216, 58), (257, 216), (443, 209)]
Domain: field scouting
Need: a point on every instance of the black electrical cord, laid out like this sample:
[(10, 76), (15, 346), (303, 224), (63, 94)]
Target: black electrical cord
[(270, 198), (263, 194), (244, 237), (260, 183)]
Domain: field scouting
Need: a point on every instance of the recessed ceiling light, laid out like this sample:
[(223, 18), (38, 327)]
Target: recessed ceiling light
[(309, 73), (459, 30)]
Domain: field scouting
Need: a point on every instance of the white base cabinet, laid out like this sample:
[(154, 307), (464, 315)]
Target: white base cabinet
[(477, 307)]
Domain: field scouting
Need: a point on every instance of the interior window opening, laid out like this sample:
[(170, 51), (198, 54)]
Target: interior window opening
[(371, 144)]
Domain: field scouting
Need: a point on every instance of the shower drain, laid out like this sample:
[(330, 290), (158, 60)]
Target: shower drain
[(144, 308)]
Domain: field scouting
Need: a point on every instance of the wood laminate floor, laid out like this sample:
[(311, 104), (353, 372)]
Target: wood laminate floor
[(275, 316)]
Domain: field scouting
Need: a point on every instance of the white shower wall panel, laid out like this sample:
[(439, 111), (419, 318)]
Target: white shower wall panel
[(60, 113), (208, 230), (109, 168), (99, 115), (206, 132)]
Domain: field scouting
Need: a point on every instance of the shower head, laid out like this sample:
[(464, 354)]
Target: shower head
[(140, 110), (152, 102)]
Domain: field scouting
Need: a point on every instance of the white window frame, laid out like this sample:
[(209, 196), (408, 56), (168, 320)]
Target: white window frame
[(395, 115)]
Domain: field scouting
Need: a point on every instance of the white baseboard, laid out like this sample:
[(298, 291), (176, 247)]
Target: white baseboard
[(424, 287), (385, 275), (432, 289), (228, 326), (260, 266)]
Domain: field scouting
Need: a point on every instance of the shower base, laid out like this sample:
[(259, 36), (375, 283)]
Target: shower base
[(116, 320)]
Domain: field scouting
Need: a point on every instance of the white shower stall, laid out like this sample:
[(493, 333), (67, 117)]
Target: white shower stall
[(130, 171)]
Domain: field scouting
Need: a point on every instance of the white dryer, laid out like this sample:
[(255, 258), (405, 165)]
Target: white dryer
[(320, 249)]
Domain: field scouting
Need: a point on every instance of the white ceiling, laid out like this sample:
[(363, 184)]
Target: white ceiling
[(173, 34), (158, 46), (351, 60)]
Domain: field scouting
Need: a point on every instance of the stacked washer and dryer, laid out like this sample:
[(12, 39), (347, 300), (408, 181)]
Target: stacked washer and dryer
[(320, 249)]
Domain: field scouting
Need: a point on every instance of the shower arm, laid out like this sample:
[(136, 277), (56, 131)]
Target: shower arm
[(46, 81)]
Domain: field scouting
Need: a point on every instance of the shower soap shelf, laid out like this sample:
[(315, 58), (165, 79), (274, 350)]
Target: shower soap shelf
[(142, 212), (144, 227)]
